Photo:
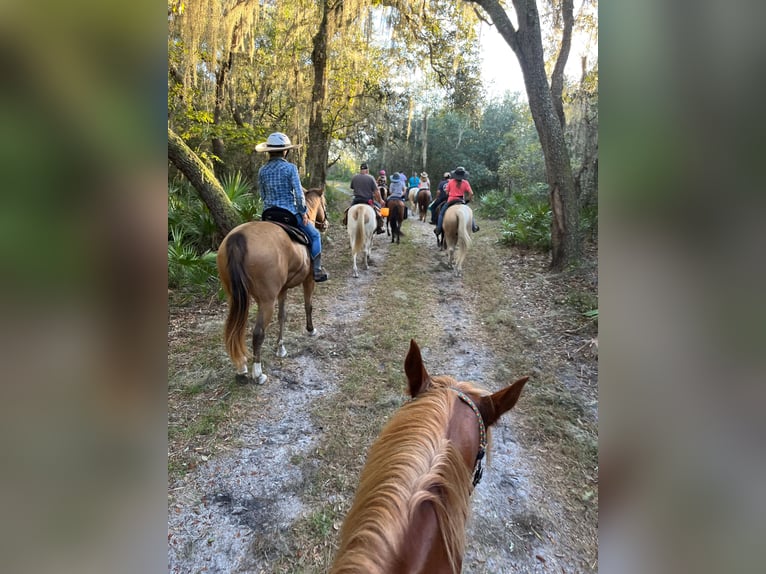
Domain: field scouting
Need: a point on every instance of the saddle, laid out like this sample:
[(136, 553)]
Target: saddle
[(286, 221)]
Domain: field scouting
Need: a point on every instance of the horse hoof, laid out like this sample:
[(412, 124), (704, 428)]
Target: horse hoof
[(281, 351), (313, 333), (243, 379), (260, 380)]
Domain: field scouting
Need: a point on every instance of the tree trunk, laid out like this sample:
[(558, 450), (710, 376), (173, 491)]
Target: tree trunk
[(210, 191), (527, 44), (318, 148), (219, 149), (425, 139)]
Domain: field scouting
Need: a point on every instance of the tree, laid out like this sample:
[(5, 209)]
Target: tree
[(204, 181), (526, 43)]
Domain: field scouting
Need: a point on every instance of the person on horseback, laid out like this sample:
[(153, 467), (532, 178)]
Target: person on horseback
[(280, 186), (441, 197), (365, 190), (382, 178), (458, 191), (396, 191)]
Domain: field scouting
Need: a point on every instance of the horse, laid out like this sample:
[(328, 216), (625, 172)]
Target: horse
[(361, 227), (412, 503), (383, 191), (395, 217), (258, 259), (456, 235), (412, 196), (423, 199)]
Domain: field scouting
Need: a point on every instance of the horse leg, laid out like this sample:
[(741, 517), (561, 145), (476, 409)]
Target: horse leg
[(262, 321), (308, 293), (282, 315), (356, 270)]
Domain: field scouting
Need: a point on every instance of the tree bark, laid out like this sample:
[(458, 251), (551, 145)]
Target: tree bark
[(557, 77), (318, 147), (210, 191), (526, 43)]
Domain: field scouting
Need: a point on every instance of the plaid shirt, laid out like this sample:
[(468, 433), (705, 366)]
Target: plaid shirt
[(281, 186)]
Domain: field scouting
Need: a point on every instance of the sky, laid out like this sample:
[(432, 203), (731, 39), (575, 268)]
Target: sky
[(500, 68)]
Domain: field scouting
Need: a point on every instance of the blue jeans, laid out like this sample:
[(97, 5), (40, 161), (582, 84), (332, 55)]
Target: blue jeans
[(313, 233)]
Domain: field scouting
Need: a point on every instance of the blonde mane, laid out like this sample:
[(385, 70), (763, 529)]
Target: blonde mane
[(411, 462)]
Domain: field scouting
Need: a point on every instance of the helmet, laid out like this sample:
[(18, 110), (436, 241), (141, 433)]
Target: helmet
[(382, 172)]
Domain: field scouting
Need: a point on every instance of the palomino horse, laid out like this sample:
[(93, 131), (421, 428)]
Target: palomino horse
[(424, 198), (456, 238), (259, 260), (361, 227), (413, 499), (395, 216)]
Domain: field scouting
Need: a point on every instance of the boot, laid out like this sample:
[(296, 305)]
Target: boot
[(380, 228), (319, 273), (474, 227), (345, 217)]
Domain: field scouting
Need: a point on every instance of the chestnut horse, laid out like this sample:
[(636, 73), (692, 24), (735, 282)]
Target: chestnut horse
[(395, 216), (456, 236), (424, 198), (361, 229), (413, 499), (259, 260)]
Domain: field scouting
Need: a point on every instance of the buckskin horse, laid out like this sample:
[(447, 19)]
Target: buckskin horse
[(413, 499), (259, 259)]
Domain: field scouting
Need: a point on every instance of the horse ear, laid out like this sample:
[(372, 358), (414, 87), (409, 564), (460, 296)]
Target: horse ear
[(492, 407), (417, 376)]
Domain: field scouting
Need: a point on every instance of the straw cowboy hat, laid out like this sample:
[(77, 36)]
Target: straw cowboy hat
[(423, 174), (276, 142)]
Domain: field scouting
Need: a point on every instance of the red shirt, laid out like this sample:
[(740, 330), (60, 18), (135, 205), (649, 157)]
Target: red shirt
[(456, 188)]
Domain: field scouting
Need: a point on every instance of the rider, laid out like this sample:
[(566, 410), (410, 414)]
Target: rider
[(396, 191), (458, 191), (365, 190), (441, 197), (280, 186), (382, 178)]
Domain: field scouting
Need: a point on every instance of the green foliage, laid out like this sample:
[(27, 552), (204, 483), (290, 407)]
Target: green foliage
[(528, 222), (187, 213), (188, 270), (494, 204), (239, 190), (589, 221)]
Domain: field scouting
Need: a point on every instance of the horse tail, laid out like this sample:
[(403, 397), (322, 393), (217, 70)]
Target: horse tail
[(464, 239), (239, 298), (358, 246)]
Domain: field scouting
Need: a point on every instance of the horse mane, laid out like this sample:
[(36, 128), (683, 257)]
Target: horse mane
[(411, 463)]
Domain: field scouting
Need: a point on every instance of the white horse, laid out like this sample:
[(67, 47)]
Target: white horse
[(457, 235), (412, 196), (361, 227)]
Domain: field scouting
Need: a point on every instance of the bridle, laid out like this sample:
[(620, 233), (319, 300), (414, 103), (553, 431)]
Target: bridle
[(320, 225), (478, 471)]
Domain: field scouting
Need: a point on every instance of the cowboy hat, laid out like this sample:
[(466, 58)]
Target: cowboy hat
[(423, 174), (460, 172), (276, 142), (395, 177)]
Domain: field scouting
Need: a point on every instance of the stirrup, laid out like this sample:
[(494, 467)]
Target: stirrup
[(320, 276)]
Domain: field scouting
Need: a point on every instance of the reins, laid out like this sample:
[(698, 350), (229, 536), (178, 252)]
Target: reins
[(478, 470)]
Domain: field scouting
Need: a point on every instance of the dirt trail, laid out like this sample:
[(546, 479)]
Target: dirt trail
[(219, 513)]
